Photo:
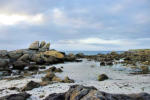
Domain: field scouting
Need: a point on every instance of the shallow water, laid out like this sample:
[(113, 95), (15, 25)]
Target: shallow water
[(86, 73)]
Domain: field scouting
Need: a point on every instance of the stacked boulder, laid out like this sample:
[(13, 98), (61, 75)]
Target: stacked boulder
[(42, 47)]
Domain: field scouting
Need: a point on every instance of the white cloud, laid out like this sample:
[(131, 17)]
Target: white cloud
[(6, 19), (98, 41)]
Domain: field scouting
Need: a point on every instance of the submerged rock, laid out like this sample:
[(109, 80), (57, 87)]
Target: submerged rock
[(20, 96), (102, 64), (102, 77), (79, 92)]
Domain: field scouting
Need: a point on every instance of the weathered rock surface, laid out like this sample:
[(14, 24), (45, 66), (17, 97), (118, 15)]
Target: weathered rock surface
[(42, 44), (34, 45), (3, 54), (31, 85), (54, 54), (14, 55), (20, 96), (4, 64), (19, 65), (25, 57), (79, 92)]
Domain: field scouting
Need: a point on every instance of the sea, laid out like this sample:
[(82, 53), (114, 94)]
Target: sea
[(92, 52)]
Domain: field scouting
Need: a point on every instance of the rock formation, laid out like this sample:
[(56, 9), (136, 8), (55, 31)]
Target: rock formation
[(37, 54), (79, 92)]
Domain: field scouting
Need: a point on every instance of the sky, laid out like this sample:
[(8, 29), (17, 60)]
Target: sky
[(80, 25)]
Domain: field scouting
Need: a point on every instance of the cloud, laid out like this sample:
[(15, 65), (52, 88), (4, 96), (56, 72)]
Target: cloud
[(98, 41), (59, 17), (16, 19)]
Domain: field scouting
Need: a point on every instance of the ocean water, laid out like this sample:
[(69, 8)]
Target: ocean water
[(91, 52)]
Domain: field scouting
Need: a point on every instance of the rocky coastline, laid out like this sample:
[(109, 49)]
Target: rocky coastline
[(135, 59), (38, 54), (33, 60)]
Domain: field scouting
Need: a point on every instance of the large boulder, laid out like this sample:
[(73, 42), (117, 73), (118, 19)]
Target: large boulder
[(20, 96), (14, 55), (34, 45), (42, 44), (3, 54), (25, 57), (33, 68), (79, 92), (55, 54), (51, 60), (19, 65), (38, 58), (46, 46), (28, 51), (4, 64)]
